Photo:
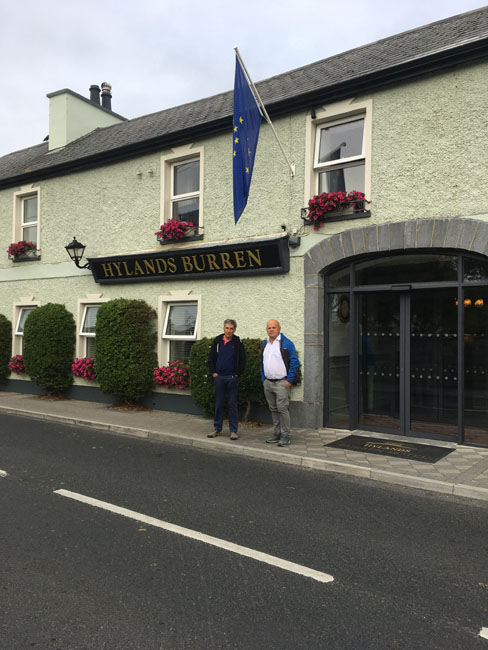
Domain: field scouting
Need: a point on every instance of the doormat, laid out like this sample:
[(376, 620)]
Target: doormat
[(408, 450)]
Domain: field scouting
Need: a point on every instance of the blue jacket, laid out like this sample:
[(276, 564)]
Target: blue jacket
[(290, 358)]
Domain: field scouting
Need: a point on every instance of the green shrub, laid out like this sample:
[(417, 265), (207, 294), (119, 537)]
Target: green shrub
[(48, 347), (5, 347), (200, 380), (250, 385), (125, 355)]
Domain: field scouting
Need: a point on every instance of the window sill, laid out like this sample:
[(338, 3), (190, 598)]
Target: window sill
[(180, 241), (338, 216), (25, 258)]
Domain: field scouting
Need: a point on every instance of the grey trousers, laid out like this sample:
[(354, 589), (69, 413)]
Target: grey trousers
[(277, 395)]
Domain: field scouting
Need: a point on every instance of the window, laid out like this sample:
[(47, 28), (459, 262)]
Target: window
[(28, 224), (87, 318), (87, 330), (185, 191), (338, 148), (340, 156), (26, 215), (21, 314), (182, 182), (180, 329)]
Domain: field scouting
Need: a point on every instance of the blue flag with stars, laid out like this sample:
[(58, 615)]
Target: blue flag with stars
[(247, 122)]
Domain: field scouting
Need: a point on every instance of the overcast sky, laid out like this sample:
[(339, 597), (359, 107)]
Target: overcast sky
[(162, 53)]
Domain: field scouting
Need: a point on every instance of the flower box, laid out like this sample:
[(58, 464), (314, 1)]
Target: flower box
[(23, 251), (175, 230), (335, 206)]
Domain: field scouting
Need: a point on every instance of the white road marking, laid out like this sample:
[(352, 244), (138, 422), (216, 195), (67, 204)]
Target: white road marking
[(2, 473), (484, 633), (201, 537)]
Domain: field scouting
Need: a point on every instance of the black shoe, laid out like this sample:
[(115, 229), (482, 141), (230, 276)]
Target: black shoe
[(284, 441), (214, 434), (273, 440)]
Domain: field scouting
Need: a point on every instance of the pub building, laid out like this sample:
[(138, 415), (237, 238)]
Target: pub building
[(386, 299)]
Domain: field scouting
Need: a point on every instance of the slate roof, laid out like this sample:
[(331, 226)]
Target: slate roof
[(417, 51)]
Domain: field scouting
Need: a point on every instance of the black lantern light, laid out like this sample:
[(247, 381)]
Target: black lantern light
[(75, 250)]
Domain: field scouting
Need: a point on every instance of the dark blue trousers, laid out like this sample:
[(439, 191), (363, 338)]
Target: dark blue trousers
[(226, 386)]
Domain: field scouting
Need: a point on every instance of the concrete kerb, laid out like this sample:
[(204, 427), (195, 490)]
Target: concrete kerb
[(283, 456)]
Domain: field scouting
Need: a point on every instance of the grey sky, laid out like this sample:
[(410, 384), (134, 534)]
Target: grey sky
[(162, 53)]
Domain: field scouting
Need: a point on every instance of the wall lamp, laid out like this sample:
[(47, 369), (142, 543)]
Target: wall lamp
[(75, 250)]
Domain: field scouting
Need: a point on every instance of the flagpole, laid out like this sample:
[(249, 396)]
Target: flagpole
[(263, 110)]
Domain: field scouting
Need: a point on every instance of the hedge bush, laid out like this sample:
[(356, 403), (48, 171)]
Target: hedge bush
[(125, 355), (250, 385), (5, 347), (200, 380), (48, 347)]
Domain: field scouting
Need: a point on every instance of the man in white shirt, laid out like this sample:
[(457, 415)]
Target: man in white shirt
[(279, 368)]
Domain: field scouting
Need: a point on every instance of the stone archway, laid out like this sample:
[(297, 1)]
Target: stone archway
[(463, 234)]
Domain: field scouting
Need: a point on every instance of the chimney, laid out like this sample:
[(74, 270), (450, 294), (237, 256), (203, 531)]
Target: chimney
[(106, 96), (95, 94)]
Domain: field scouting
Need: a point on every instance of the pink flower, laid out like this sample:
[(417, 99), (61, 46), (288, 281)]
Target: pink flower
[(85, 368), (16, 364), (174, 375)]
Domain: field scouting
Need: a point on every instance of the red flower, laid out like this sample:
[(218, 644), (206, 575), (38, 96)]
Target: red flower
[(174, 375), (85, 368), (321, 205)]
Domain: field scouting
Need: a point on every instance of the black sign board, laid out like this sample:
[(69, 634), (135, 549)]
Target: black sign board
[(226, 260)]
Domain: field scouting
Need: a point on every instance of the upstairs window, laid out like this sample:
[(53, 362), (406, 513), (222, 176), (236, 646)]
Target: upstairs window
[(27, 215), (185, 191), (340, 156), (180, 330), (182, 172), (29, 218)]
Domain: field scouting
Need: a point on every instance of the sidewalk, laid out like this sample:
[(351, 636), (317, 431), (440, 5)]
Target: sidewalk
[(464, 472)]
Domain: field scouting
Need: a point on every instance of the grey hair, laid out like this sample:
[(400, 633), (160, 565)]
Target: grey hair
[(230, 321)]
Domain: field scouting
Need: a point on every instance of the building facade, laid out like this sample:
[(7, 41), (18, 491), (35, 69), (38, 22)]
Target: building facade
[(387, 304)]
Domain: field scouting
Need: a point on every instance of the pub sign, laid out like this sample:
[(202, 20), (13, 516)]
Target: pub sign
[(225, 260)]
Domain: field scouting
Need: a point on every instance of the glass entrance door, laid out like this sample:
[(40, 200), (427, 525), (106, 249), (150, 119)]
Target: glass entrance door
[(407, 361), (379, 360), (433, 362)]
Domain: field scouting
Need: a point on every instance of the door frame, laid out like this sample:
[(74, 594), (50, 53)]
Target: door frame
[(460, 284)]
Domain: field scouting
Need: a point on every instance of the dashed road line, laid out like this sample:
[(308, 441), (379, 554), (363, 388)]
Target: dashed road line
[(201, 537), (484, 633)]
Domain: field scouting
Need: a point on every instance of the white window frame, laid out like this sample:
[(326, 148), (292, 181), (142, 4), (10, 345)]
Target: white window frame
[(26, 192), (18, 337), (332, 115), (95, 300), (177, 156), (165, 303), (176, 198)]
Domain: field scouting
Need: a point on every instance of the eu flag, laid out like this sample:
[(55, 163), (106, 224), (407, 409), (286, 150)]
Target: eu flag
[(247, 121)]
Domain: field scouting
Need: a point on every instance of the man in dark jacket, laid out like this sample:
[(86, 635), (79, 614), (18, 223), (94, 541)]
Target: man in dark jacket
[(226, 362)]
